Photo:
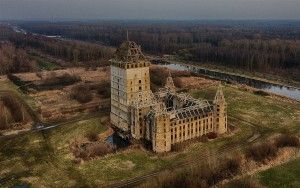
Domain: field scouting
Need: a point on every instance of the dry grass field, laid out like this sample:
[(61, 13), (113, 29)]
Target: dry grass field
[(56, 103)]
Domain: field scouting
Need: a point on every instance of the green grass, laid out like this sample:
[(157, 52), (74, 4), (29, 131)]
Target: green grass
[(9, 86), (44, 64), (45, 154), (44, 158), (270, 115), (286, 175), (283, 176)]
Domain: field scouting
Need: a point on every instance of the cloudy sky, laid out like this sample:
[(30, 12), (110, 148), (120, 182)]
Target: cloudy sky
[(149, 9)]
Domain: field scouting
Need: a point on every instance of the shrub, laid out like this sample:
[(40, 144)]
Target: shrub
[(202, 176), (262, 151), (88, 151), (158, 76), (82, 93), (287, 140), (261, 93), (92, 136), (99, 149), (63, 80), (212, 135), (232, 165), (104, 89)]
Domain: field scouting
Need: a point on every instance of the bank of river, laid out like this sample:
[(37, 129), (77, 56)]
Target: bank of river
[(283, 90)]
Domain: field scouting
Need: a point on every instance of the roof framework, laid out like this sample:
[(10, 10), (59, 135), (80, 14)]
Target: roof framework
[(192, 107)]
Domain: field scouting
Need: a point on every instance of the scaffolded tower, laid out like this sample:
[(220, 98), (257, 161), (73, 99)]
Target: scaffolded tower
[(130, 81)]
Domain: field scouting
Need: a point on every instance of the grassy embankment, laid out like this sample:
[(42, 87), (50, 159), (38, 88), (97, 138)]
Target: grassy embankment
[(283, 176), (44, 158), (6, 85), (286, 175)]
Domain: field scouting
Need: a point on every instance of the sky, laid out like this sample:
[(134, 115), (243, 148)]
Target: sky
[(148, 9)]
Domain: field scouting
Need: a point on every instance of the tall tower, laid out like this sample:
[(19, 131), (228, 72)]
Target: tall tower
[(130, 81), (220, 112)]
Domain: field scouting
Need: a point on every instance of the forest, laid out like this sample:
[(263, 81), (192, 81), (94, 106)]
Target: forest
[(17, 49), (254, 46)]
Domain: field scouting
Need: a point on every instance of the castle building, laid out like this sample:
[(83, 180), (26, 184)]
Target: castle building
[(163, 118)]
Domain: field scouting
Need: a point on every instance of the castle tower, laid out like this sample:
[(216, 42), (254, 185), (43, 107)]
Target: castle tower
[(161, 140), (130, 81), (220, 112), (170, 84)]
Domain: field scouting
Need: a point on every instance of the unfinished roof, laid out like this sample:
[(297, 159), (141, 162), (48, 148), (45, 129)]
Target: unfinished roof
[(129, 51), (191, 107)]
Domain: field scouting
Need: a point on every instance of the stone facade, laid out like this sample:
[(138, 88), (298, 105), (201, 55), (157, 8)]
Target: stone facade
[(163, 118)]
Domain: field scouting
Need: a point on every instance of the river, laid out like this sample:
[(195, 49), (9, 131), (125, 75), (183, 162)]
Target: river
[(286, 91)]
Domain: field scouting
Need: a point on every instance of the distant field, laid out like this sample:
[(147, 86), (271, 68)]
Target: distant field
[(44, 158)]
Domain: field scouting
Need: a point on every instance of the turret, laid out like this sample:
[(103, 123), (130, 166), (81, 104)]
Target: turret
[(220, 112), (161, 141), (170, 84)]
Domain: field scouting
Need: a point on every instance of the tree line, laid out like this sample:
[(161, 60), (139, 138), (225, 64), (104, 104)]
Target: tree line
[(14, 47), (264, 47)]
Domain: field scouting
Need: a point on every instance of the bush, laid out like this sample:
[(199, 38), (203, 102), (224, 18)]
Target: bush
[(104, 89), (92, 136), (99, 149), (63, 80), (261, 93), (287, 141), (202, 176), (82, 93), (87, 151), (232, 165), (212, 135), (262, 151)]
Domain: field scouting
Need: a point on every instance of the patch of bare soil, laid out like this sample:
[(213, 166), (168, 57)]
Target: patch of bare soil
[(127, 165)]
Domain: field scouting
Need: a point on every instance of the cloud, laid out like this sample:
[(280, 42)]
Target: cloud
[(149, 9)]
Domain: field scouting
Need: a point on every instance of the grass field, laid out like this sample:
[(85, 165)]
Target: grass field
[(44, 159), (270, 115), (284, 176)]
